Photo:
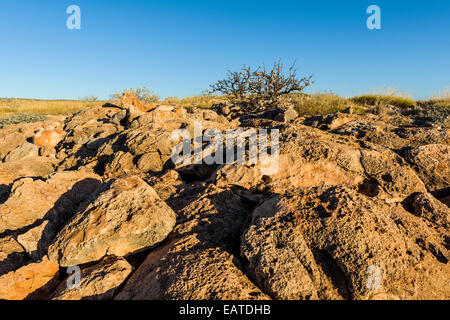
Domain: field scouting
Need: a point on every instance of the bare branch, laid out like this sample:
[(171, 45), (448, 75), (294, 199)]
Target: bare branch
[(261, 89)]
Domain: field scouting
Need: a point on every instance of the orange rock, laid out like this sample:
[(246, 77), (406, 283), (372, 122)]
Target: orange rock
[(123, 216), (32, 281), (48, 137), (15, 135)]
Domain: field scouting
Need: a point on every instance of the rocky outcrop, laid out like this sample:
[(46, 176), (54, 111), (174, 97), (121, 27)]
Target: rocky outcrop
[(331, 243), (310, 157), (373, 129), (16, 135), (130, 101), (121, 218), (355, 207)]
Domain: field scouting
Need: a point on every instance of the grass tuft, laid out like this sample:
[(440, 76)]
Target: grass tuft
[(11, 106), (373, 99)]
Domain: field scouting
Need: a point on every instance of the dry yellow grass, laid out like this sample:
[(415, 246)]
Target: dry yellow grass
[(440, 100), (321, 103), (11, 106), (205, 101), (306, 104), (442, 95)]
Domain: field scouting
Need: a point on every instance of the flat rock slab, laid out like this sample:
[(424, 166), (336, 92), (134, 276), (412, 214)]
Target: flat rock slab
[(37, 167), (432, 163), (56, 198)]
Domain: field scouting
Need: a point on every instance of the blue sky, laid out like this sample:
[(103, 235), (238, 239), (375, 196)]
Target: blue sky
[(178, 48)]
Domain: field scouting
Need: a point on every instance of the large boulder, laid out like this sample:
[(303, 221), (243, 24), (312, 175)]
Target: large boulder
[(25, 151), (86, 131), (166, 185), (13, 136), (10, 141), (309, 157), (432, 164), (129, 100), (36, 240), (48, 138), (137, 150), (286, 115), (188, 270), (429, 208), (92, 117), (197, 260), (122, 217)]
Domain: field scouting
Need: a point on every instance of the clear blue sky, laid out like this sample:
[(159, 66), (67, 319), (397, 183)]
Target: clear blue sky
[(179, 47)]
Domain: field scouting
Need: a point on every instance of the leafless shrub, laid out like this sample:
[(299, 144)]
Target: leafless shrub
[(89, 98)]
